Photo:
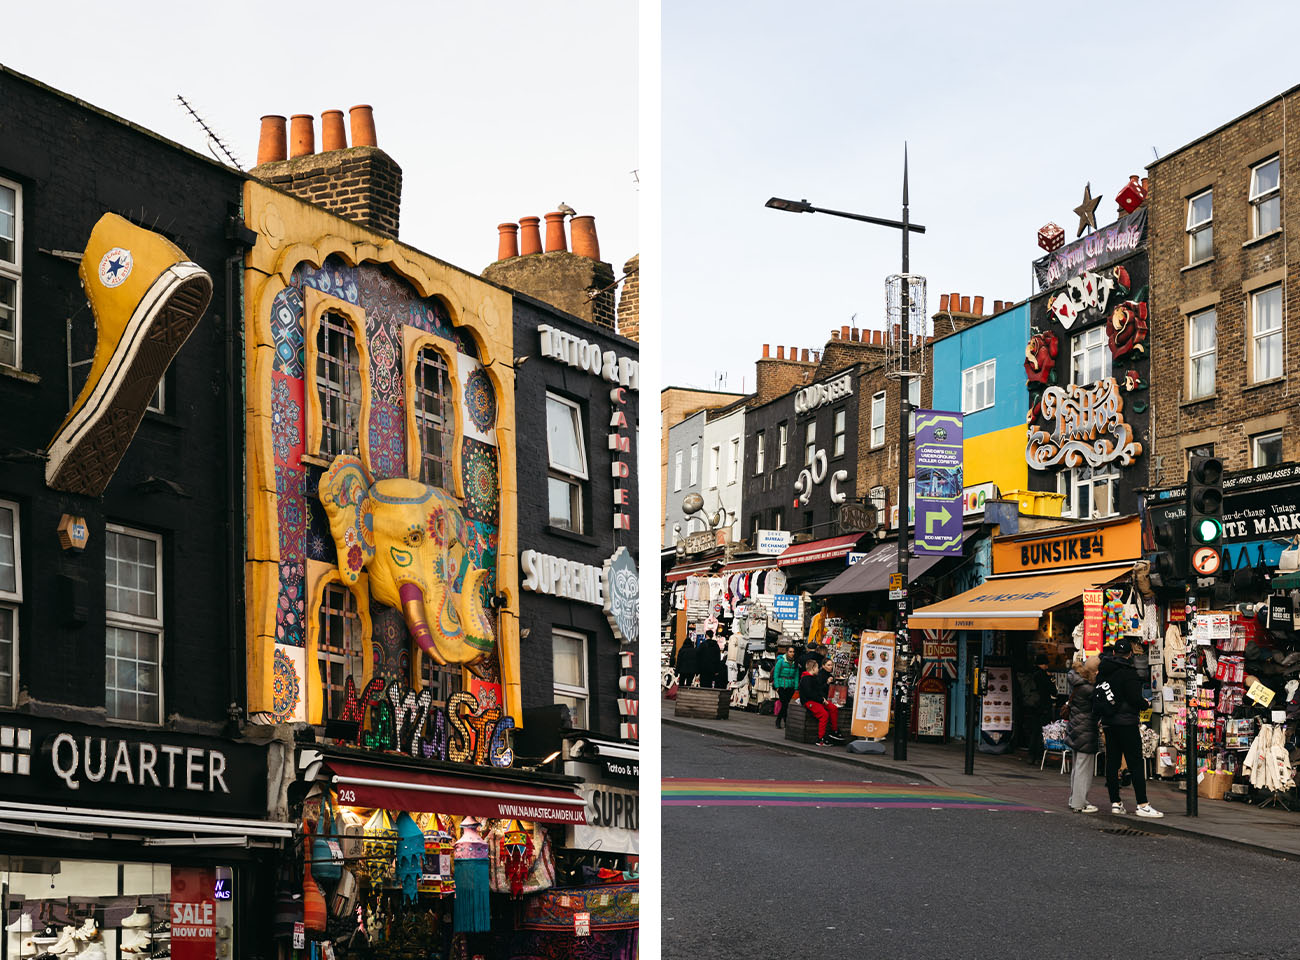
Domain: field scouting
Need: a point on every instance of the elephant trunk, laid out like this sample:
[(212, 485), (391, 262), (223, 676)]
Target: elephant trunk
[(473, 618), (417, 621)]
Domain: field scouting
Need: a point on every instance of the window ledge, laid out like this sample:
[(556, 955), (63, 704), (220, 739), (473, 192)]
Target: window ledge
[(570, 535), (1263, 383), (1198, 263), (1195, 400), (315, 461), (1262, 237), (16, 374)]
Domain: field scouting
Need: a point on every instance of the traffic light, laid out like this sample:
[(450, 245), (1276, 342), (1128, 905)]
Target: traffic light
[(1204, 516), (1168, 563)]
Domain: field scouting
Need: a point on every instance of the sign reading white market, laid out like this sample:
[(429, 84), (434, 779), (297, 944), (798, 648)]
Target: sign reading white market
[(613, 586), (583, 355), (820, 394)]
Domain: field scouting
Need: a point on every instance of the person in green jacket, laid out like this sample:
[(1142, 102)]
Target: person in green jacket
[(785, 679)]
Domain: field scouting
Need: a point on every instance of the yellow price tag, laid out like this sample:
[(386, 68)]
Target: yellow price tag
[(1260, 694)]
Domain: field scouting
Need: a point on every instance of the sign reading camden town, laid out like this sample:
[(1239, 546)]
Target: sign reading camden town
[(1089, 426)]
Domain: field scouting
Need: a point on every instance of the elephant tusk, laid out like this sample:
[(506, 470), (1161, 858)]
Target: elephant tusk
[(417, 621)]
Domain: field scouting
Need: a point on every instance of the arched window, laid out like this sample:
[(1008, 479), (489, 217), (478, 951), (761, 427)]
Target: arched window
[(338, 383)]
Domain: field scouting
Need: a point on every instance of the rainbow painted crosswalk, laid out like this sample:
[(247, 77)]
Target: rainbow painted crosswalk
[(693, 792)]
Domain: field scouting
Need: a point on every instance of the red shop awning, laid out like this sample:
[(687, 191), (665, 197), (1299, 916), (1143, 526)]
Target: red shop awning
[(752, 565), (392, 788), (700, 568), (814, 551)]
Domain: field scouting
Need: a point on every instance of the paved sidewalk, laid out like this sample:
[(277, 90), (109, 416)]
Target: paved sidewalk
[(1005, 777)]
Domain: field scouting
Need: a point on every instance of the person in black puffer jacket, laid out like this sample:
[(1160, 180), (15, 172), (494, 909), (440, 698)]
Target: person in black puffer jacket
[(1081, 733), (1123, 740)]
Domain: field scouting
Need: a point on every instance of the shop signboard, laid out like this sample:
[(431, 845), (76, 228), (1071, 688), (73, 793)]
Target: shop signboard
[(611, 825), (1096, 250), (939, 484), (44, 760), (1258, 522), (785, 606), (976, 495), (1061, 548), (875, 684), (996, 705), (931, 707), (1093, 622), (773, 543)]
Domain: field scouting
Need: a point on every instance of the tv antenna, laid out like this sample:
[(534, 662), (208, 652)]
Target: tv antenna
[(213, 139)]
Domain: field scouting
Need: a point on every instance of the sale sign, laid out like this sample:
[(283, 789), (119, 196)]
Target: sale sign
[(1093, 622), (193, 914)]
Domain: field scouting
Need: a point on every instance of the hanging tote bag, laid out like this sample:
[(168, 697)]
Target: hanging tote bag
[(315, 915), (326, 852), (381, 848)]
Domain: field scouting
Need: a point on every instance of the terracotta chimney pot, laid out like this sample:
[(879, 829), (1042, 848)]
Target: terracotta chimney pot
[(582, 231), (780, 352), (332, 135), (965, 304), (767, 350), (363, 125), (803, 355), (555, 238), (844, 332), (530, 237), (856, 334), (272, 144), (302, 135), (978, 309), (943, 302), (507, 241), (794, 353), (997, 306), (954, 302)]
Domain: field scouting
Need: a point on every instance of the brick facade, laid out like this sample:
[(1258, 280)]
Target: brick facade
[(361, 184), (575, 284), (629, 303), (1241, 265)]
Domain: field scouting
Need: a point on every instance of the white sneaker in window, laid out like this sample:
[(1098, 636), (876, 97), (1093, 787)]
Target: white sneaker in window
[(136, 942), (88, 930), (1118, 808), (67, 942), (95, 951), (137, 919), (22, 925), (1146, 810)]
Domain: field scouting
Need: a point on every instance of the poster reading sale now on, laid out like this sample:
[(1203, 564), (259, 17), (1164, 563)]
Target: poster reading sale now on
[(193, 914)]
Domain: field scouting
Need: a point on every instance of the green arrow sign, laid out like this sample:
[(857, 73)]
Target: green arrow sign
[(936, 516)]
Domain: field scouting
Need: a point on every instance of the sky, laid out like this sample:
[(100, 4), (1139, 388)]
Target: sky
[(494, 111), (1008, 110)]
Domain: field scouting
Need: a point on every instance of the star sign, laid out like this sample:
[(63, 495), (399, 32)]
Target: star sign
[(114, 266), (1087, 211)]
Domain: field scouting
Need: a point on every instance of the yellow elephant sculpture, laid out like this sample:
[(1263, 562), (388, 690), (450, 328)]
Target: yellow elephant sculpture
[(410, 538)]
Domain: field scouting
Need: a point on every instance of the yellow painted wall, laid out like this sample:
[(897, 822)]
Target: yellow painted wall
[(997, 457), (290, 231)]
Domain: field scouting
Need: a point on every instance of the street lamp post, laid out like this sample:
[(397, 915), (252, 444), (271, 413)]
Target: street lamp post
[(902, 708)]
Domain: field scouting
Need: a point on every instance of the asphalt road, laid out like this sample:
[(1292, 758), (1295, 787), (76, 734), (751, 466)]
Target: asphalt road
[(886, 878)]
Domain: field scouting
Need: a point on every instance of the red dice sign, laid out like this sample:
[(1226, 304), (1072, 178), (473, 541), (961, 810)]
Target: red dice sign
[(1132, 196), (1050, 236)]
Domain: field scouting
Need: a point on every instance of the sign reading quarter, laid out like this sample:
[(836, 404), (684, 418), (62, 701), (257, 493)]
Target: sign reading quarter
[(1206, 560)]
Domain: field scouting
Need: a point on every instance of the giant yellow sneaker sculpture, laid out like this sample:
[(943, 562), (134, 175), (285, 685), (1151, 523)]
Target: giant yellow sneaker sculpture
[(147, 298)]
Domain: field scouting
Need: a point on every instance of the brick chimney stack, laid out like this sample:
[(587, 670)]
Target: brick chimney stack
[(361, 183), (629, 303), (778, 373)]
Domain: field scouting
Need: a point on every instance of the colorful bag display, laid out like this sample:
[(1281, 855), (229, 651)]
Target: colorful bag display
[(473, 909), (410, 855), (380, 848), (326, 852), (520, 867), (315, 915), (437, 876)]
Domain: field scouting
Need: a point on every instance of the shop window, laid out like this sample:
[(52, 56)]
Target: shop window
[(338, 647), (781, 445), (1266, 449), (715, 465), (809, 442), (569, 656), (755, 524), (1089, 356), (441, 679), (338, 382), (1266, 334), (435, 422), (841, 421), (567, 452), (11, 274), (1202, 353), (977, 385), (1266, 197), (778, 519), (913, 401), (133, 635), (1204, 450), (1089, 492), (1200, 227), (878, 419), (677, 471), (759, 452), (695, 464), (11, 596)]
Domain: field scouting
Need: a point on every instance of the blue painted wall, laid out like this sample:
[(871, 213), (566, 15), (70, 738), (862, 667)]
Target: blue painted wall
[(1003, 338)]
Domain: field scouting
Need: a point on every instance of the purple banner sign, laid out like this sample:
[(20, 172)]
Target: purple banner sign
[(1110, 243), (939, 483)]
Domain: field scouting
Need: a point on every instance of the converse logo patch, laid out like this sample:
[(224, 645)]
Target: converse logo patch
[(16, 750), (115, 267)]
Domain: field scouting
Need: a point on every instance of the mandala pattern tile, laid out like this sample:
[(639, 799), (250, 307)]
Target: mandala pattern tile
[(288, 704), (287, 420), (387, 440), (482, 488), (286, 332), (290, 610), (385, 368), (480, 401)]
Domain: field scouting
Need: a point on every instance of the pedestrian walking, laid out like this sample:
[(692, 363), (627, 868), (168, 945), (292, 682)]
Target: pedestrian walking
[(1119, 702), (687, 662), (1038, 700), (814, 687), (1081, 733), (785, 680)]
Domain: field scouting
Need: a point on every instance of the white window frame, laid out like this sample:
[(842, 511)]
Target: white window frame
[(1255, 443), (575, 479), (733, 460), (158, 402), (1207, 356), (1257, 336), (759, 453), (13, 270), (809, 442), (839, 430), (127, 621), (982, 375), (695, 465), (677, 471), (1258, 198), (878, 412), (10, 601), (1082, 345), (782, 437), (1196, 227), (715, 465), (582, 692), (1072, 482), (913, 401)]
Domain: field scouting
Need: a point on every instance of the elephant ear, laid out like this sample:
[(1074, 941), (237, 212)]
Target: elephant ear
[(345, 494)]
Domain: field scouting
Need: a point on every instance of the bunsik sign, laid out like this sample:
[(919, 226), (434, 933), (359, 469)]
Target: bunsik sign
[(939, 483), (49, 761), (1113, 543), (1089, 427), (1097, 249)]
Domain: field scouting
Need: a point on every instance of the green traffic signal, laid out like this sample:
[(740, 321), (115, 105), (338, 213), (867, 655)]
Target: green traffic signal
[(1208, 530)]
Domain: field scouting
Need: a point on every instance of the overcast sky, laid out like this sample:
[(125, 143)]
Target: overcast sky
[(1008, 109), (493, 110)]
